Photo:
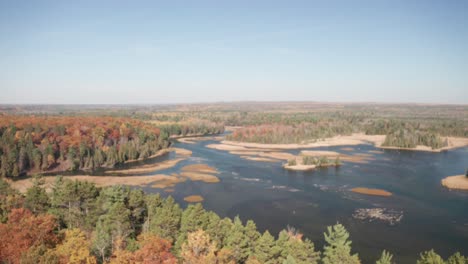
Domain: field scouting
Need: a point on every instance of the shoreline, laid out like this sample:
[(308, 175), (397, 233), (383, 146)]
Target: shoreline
[(351, 140)]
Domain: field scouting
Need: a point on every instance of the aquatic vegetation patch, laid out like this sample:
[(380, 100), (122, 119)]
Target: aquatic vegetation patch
[(389, 216)]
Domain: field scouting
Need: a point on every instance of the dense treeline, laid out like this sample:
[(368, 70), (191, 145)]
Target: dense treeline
[(79, 223), (29, 143), (52, 143), (192, 127), (304, 132), (399, 133)]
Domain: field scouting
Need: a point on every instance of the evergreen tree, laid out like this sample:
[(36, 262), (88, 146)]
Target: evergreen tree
[(166, 220), (266, 249), (385, 258), (457, 258), (237, 241), (36, 198), (194, 217), (430, 257), (338, 248)]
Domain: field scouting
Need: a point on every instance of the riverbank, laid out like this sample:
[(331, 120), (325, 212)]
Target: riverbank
[(100, 181), (459, 182), (351, 140)]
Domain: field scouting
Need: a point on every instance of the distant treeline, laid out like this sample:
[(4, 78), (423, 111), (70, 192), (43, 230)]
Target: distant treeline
[(79, 223), (57, 143)]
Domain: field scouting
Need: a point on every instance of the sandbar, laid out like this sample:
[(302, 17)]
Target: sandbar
[(259, 159), (196, 176), (100, 181), (194, 199), (200, 168), (459, 182), (368, 191), (148, 168), (299, 167)]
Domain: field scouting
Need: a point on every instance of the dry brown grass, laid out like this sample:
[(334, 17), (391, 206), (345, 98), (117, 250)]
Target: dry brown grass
[(368, 191), (196, 176), (200, 168)]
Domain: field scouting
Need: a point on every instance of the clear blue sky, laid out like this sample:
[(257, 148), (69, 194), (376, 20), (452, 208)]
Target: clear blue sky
[(205, 51)]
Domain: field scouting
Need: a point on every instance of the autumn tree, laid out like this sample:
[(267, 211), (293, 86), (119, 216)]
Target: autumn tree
[(198, 249), (24, 230), (74, 248)]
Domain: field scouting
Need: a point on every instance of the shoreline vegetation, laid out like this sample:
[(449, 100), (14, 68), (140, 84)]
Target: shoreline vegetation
[(458, 182)]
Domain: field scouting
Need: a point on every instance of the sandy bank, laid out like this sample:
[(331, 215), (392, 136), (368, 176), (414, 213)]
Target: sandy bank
[(101, 181), (194, 199), (368, 191), (459, 182), (193, 140), (148, 168), (299, 167), (354, 139), (259, 159)]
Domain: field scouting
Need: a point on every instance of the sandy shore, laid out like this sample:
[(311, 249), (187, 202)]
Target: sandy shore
[(368, 191), (299, 167), (354, 139), (259, 159), (148, 168), (194, 199), (100, 181), (459, 182), (193, 140)]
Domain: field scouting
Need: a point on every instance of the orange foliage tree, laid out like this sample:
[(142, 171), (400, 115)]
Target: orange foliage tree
[(24, 230)]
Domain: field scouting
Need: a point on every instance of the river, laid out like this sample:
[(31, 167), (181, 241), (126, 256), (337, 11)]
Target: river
[(433, 216)]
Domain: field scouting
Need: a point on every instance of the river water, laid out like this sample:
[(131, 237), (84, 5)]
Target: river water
[(433, 217)]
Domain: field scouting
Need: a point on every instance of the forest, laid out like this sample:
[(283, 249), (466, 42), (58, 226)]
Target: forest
[(33, 144), (77, 222)]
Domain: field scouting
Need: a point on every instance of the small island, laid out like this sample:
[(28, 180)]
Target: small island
[(309, 160)]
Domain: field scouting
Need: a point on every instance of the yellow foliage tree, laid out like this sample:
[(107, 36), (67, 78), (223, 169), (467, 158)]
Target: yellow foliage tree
[(198, 249), (75, 248)]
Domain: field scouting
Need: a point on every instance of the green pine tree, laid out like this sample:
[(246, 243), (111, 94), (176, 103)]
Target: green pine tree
[(430, 257), (338, 248), (385, 258)]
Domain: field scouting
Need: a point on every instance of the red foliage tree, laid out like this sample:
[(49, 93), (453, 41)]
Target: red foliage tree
[(24, 230)]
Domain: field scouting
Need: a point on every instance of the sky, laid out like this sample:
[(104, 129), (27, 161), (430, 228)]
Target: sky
[(153, 52)]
